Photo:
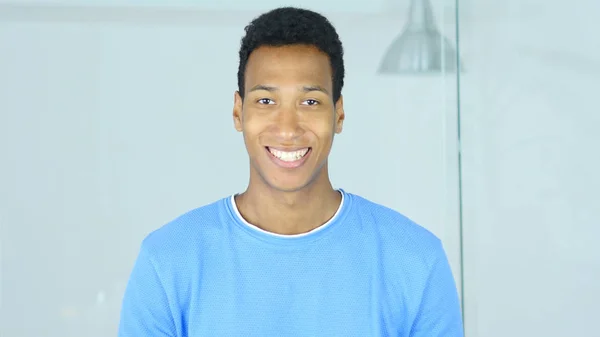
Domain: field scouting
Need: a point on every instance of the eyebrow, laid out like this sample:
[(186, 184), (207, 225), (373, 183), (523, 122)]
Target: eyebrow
[(306, 88), (262, 87), (315, 88)]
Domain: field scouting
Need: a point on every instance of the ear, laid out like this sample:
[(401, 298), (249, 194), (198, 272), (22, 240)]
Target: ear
[(237, 111), (339, 115)]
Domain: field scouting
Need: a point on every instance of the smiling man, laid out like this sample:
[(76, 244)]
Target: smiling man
[(291, 256)]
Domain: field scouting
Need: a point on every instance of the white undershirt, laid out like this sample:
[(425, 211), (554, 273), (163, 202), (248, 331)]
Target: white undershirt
[(239, 215)]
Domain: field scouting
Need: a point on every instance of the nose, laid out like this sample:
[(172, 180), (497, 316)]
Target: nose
[(287, 123)]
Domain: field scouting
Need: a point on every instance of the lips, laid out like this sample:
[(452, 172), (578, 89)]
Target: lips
[(289, 158)]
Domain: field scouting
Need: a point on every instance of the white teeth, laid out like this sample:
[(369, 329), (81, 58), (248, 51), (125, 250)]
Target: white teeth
[(289, 156)]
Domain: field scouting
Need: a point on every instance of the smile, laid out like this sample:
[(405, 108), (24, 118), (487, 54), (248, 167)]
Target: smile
[(287, 158)]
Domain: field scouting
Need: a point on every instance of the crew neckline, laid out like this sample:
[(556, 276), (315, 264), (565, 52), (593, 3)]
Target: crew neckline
[(309, 236)]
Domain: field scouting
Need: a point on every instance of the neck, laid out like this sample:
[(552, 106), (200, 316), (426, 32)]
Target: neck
[(289, 213)]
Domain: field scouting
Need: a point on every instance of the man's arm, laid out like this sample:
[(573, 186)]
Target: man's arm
[(439, 314), (145, 310)]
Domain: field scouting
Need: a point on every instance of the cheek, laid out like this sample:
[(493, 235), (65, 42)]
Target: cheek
[(324, 128), (253, 132), (252, 126)]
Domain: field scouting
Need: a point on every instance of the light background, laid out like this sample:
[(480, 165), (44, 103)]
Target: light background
[(115, 117)]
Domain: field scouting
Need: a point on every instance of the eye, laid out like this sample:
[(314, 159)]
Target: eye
[(310, 102), (265, 101)]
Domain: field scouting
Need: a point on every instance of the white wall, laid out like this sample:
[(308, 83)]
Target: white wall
[(115, 121), (530, 121), (211, 5)]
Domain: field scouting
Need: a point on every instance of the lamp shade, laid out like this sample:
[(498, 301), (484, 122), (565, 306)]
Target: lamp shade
[(420, 48)]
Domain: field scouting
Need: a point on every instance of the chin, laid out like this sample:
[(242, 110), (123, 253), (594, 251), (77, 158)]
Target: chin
[(283, 180), (288, 187)]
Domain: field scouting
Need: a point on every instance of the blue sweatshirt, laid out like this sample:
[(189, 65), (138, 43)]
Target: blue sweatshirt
[(369, 271)]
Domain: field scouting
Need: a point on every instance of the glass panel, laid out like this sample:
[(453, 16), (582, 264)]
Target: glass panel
[(529, 116)]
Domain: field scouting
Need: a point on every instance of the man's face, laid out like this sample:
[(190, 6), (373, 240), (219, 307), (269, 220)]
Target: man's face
[(288, 116)]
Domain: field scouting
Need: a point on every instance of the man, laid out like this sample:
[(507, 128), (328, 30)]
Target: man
[(291, 256)]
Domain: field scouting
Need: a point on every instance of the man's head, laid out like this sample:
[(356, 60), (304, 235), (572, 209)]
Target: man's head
[(289, 103)]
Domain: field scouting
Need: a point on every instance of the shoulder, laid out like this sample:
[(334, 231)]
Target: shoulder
[(187, 233), (397, 229)]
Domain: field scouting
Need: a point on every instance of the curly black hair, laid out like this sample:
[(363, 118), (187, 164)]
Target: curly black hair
[(290, 26)]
